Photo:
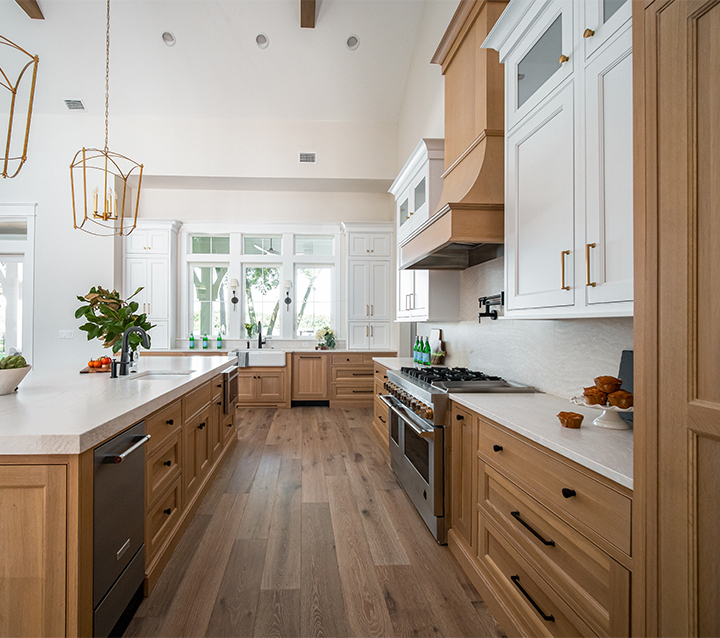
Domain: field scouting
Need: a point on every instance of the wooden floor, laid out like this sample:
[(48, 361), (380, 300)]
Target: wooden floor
[(306, 532)]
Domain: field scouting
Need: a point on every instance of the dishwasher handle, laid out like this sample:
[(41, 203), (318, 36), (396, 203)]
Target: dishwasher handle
[(119, 458)]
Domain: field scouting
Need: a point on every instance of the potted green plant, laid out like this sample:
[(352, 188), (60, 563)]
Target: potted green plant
[(108, 317), (326, 338)]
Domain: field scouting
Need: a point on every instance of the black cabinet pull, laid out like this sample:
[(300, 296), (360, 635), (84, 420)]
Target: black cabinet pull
[(497, 448), (168, 511), (219, 402), (516, 579), (568, 493), (169, 421), (230, 424), (201, 426), (459, 417), (219, 385), (383, 420), (516, 516), (168, 463)]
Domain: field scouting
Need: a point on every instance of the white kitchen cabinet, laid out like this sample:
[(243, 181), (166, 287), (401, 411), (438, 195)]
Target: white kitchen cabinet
[(369, 290), (568, 155), (153, 270), (428, 295), (369, 245), (370, 335)]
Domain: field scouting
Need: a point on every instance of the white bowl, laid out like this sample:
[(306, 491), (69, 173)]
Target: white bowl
[(10, 379)]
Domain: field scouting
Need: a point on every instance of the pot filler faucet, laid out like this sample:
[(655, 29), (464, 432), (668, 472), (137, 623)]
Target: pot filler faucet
[(124, 366)]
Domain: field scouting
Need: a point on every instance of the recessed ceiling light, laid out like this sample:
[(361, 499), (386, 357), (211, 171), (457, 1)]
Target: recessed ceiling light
[(168, 38), (262, 40), (353, 42)]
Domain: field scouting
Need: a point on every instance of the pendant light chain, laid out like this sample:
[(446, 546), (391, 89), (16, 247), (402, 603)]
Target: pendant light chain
[(107, 74)]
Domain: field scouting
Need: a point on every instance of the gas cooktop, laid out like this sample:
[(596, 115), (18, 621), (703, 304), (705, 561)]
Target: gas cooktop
[(462, 380)]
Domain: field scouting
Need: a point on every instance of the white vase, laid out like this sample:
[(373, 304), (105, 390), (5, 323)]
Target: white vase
[(10, 379)]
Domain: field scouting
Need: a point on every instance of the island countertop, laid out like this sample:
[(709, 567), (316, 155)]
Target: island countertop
[(63, 412)]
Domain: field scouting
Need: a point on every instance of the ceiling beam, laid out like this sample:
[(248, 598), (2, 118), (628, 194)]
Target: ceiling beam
[(307, 14), (32, 8)]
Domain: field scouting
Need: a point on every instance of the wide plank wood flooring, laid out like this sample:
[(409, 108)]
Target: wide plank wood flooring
[(306, 532)]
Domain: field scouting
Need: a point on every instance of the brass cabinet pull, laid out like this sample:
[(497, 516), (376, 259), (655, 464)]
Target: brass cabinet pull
[(588, 33), (372, 331), (592, 284), (563, 59), (367, 331), (372, 310), (562, 269), (367, 310)]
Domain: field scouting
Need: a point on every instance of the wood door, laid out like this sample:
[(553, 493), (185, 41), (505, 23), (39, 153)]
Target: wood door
[(539, 213), (609, 174), (33, 556), (380, 291), (197, 452), (271, 386), (358, 301), (309, 377), (247, 387), (462, 467), (215, 429), (677, 418)]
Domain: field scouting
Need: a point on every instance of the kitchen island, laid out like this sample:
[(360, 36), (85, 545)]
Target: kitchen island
[(49, 429)]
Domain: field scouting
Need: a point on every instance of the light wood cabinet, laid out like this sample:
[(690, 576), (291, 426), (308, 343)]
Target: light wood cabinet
[(568, 190), (263, 386), (33, 550), (309, 377), (463, 441), (197, 452)]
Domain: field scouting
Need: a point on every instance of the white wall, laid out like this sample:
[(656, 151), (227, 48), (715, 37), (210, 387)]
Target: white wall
[(556, 356)]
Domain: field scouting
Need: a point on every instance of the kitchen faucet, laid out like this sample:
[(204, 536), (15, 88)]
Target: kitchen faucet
[(124, 366), (261, 341)]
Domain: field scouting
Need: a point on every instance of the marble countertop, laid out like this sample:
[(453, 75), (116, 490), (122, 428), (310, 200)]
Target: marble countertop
[(534, 416), (63, 412), (395, 363)]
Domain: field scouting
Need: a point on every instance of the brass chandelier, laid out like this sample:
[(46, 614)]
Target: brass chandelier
[(14, 159), (104, 204)]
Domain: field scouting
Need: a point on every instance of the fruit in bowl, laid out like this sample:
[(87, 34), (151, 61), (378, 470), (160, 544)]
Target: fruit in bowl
[(101, 364), (13, 369)]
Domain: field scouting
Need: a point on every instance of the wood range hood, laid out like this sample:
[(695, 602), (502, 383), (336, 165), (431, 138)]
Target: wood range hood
[(468, 226)]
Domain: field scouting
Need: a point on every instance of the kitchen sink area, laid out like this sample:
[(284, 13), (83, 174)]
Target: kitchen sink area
[(261, 358)]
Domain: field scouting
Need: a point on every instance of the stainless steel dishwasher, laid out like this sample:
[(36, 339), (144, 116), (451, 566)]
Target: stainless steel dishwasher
[(118, 529)]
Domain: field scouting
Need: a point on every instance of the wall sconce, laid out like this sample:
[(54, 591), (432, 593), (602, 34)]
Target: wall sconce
[(234, 285), (288, 301)]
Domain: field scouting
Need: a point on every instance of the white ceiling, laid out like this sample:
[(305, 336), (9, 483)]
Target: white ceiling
[(216, 70)]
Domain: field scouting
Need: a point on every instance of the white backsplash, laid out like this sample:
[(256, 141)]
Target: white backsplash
[(557, 356)]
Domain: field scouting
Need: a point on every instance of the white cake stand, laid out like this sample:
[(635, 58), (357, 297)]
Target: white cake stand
[(609, 418)]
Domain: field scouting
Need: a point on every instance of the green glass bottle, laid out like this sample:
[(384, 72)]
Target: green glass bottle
[(205, 341), (192, 341), (427, 359), (415, 349)]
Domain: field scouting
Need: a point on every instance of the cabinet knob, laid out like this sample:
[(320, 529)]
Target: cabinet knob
[(201, 426), (219, 402), (459, 417), (563, 59), (497, 448), (168, 463), (219, 385), (169, 421), (168, 511), (588, 33), (568, 493)]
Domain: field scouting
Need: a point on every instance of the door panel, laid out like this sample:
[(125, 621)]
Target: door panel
[(271, 386), (358, 335), (380, 291), (379, 336), (358, 302), (136, 277), (158, 294)]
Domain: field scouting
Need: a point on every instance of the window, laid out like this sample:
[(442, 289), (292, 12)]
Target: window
[(313, 289), (262, 297), (267, 245), (210, 300), (313, 245), (210, 245), (11, 306)]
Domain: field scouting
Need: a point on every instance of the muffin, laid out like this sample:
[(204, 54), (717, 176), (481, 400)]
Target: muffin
[(594, 396), (608, 384), (570, 419), (621, 399)]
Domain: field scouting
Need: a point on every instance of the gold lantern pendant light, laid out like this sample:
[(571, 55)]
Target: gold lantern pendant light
[(14, 159), (104, 203)]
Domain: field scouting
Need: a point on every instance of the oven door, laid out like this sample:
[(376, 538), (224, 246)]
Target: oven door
[(416, 455)]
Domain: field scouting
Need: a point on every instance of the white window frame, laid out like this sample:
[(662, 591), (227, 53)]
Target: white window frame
[(237, 262), (333, 296), (190, 294), (25, 249)]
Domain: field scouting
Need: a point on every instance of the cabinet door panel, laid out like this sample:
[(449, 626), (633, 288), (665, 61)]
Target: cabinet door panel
[(358, 245), (604, 18), (158, 242), (610, 174), (406, 285), (310, 377), (137, 242), (247, 387), (136, 277), (380, 290), (271, 386), (379, 245), (539, 217), (158, 294), (160, 335), (379, 336), (358, 302), (464, 456), (358, 335), (421, 294)]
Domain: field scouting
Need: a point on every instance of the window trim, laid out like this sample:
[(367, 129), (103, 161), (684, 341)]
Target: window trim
[(189, 306), (334, 302)]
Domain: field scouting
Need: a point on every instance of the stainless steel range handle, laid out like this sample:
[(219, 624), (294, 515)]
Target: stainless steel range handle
[(119, 458), (423, 432)]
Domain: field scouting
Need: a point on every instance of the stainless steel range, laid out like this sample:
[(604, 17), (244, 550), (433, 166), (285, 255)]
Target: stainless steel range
[(418, 401)]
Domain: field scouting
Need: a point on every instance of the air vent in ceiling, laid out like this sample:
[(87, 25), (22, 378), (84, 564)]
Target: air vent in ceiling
[(308, 158), (75, 105)]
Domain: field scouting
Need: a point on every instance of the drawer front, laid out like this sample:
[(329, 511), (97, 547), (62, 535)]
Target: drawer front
[(596, 585), (162, 424), (350, 358), (380, 387), (355, 374), (532, 599), (162, 519), (197, 399), (163, 467), (380, 373), (216, 385), (592, 503), (356, 392), (381, 412), (228, 428)]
